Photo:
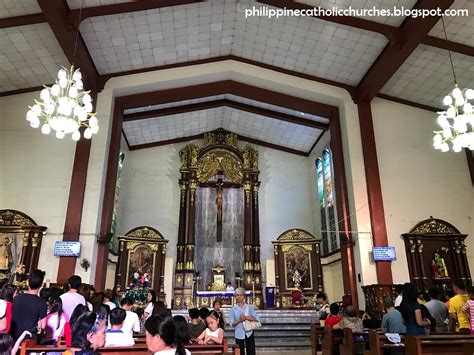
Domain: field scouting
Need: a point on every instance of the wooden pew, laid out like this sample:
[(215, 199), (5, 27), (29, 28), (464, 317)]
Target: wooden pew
[(317, 332), (29, 346), (350, 341), (378, 342), (452, 344), (331, 340), (468, 348)]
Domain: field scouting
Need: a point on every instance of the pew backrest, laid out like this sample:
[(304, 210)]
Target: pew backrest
[(452, 344)]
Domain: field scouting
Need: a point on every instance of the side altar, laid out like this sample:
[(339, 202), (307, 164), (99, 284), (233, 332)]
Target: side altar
[(298, 269)]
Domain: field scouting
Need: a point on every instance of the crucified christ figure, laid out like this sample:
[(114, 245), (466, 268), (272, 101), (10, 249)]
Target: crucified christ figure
[(219, 200)]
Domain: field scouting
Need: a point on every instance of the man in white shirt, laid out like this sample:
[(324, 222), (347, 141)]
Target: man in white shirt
[(132, 322), (229, 287), (115, 336), (71, 298)]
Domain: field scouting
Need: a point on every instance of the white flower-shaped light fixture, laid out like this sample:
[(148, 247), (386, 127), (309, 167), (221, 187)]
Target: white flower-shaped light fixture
[(65, 107), (457, 122)]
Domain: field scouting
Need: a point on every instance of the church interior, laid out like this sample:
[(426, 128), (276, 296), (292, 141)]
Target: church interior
[(289, 156)]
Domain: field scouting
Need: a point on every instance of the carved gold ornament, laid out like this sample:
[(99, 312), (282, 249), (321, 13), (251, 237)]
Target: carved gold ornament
[(15, 218), (189, 155), (144, 233), (296, 235), (211, 163), (250, 156), (434, 226)]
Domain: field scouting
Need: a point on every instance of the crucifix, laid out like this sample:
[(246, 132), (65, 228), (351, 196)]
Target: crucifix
[(219, 200)]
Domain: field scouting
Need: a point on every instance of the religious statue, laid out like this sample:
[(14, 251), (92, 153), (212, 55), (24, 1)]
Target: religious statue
[(438, 266), (5, 252), (296, 279), (219, 199)]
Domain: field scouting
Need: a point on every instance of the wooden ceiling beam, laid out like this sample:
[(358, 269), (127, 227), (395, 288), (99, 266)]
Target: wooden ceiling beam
[(200, 136), (56, 13), (228, 103), (414, 30), (226, 87), (22, 20), (125, 7), (449, 45), (390, 32)]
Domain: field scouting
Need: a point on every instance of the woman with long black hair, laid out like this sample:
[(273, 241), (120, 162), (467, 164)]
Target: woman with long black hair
[(411, 311), (161, 337)]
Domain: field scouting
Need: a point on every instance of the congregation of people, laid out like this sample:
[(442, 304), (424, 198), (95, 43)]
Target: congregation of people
[(410, 312), (86, 320)]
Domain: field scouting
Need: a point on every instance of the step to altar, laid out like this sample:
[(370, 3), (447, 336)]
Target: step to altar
[(281, 329)]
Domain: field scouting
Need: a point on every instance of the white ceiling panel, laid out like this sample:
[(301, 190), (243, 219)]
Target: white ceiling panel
[(358, 5), (234, 98), (426, 76), (163, 36), (459, 29), (242, 123), (13, 8), (307, 45), (29, 56)]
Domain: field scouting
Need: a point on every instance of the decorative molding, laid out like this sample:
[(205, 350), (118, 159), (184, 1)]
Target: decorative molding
[(15, 218), (434, 226)]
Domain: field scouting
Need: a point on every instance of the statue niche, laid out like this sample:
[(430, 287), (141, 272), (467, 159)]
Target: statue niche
[(436, 254), (20, 246), (142, 253), (298, 269)]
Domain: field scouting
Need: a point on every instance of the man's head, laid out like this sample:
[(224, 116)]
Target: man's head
[(193, 313), (459, 286), (388, 302), (126, 304), (434, 293), (321, 298), (203, 313), (117, 316), (74, 282), (35, 279), (398, 289), (334, 309), (351, 311)]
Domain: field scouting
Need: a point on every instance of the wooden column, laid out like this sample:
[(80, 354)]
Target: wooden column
[(257, 268), (109, 196), (183, 185), (374, 190), (343, 213), (35, 249), (248, 247), (72, 224), (190, 243)]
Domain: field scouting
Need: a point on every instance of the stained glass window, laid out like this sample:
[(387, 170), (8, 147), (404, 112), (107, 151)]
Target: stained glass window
[(322, 204), (113, 244), (324, 173)]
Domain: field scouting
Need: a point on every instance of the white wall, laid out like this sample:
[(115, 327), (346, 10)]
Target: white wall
[(418, 181), (35, 174)]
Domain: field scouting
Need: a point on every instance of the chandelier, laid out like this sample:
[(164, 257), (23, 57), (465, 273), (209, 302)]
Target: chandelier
[(65, 107), (457, 122)]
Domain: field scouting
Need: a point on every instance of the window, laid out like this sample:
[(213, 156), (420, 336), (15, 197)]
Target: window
[(113, 244), (329, 232)]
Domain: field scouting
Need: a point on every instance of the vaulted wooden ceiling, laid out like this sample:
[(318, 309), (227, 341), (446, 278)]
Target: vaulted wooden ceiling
[(401, 59)]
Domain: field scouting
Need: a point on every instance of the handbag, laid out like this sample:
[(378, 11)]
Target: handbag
[(250, 325)]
